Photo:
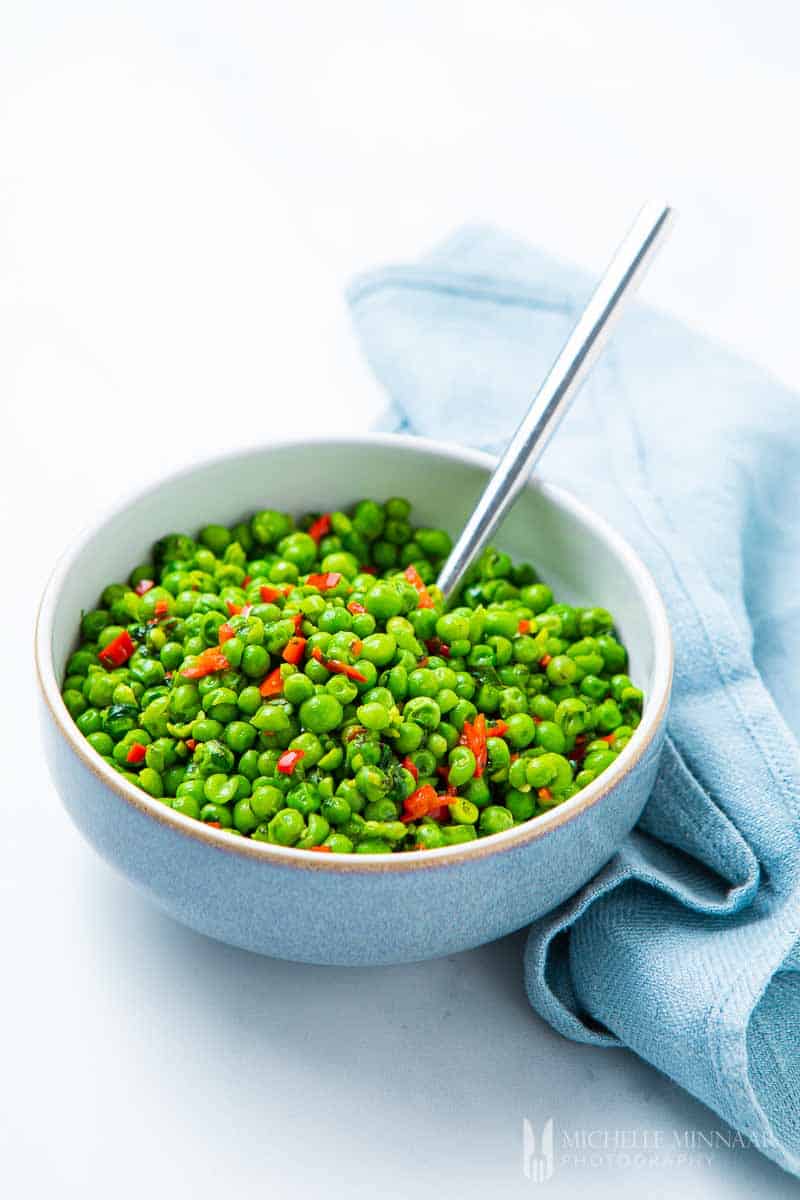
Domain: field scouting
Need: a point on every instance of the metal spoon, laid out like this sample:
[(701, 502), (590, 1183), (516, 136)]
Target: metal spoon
[(559, 389)]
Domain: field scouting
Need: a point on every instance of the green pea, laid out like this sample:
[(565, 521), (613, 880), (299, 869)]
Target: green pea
[(254, 661), (339, 844), (268, 527), (599, 761), (383, 601), (265, 801), (321, 713), (608, 715), (286, 827), (456, 834), (217, 814), (422, 710), (463, 811), (187, 805), (220, 789), (216, 537), (521, 805), (272, 719), (244, 819), (537, 597), (297, 688), (240, 736), (249, 701), (90, 721), (374, 716), (409, 737), (521, 730), (462, 766), (437, 744), (371, 782), (150, 780), (550, 737), (101, 742), (496, 818)]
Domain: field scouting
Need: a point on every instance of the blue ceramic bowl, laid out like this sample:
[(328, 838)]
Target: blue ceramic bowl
[(356, 909)]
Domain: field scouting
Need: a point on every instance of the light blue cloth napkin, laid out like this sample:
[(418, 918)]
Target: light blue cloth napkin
[(686, 947)]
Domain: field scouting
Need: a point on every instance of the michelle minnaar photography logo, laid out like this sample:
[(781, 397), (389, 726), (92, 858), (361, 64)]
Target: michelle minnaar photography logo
[(547, 1148)]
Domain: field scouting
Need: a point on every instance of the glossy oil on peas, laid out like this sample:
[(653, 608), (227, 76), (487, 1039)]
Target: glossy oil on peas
[(298, 681)]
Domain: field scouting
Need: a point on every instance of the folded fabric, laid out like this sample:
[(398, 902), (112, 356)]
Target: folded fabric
[(686, 947)]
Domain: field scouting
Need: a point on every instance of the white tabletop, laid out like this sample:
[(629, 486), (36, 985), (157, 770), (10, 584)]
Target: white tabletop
[(184, 191)]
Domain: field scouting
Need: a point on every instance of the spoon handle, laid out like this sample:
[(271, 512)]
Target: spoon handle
[(559, 388)]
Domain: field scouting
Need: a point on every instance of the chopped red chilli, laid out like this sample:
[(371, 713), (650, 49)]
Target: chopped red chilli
[(294, 649), (207, 663), (325, 581), (337, 668), (415, 579), (320, 528), (272, 685), (118, 651), (143, 586), (136, 753), (289, 760)]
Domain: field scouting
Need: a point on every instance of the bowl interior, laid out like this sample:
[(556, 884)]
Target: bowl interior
[(582, 560)]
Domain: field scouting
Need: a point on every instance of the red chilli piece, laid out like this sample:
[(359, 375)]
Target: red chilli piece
[(415, 579), (233, 609), (117, 652), (419, 803), (272, 684), (298, 621), (368, 570), (544, 793), (411, 768), (191, 744), (143, 586), (225, 633), (320, 528), (210, 661), (524, 626), (609, 739), (356, 646), (356, 608), (161, 609), (473, 735), (247, 579), (136, 753), (435, 645), (499, 729), (270, 594), (322, 849), (214, 824), (289, 760), (337, 668), (294, 650), (324, 581), (545, 660)]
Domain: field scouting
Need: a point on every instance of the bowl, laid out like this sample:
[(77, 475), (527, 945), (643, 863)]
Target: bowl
[(356, 909)]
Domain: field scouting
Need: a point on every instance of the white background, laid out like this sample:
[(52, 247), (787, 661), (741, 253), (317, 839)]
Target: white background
[(185, 189)]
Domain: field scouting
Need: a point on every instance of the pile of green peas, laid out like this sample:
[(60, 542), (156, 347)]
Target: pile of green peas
[(375, 689)]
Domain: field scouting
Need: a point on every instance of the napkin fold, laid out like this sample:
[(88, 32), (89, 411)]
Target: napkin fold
[(686, 946)]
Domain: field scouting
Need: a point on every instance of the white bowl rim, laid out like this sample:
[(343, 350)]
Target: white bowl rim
[(287, 856)]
